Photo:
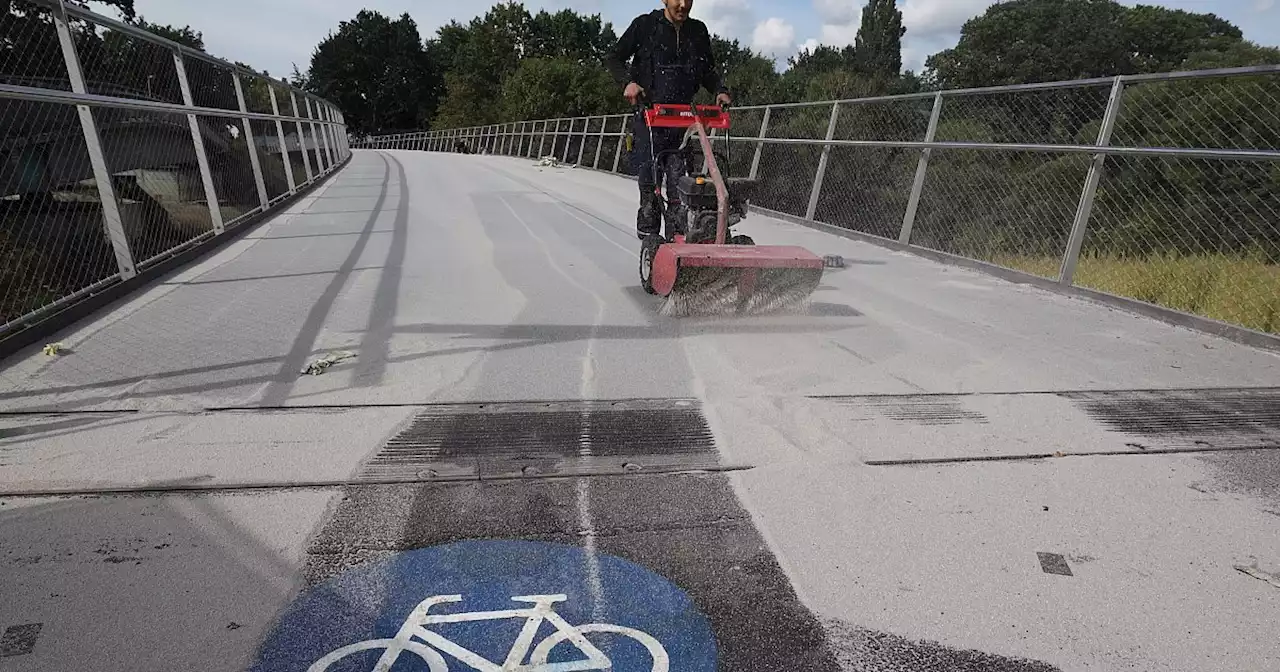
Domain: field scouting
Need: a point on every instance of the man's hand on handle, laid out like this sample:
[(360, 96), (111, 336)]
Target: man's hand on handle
[(634, 93)]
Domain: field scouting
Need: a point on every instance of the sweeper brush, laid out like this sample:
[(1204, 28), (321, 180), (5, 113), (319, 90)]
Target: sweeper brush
[(698, 266)]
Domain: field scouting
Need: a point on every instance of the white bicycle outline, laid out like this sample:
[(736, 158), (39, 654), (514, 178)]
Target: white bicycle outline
[(542, 610)]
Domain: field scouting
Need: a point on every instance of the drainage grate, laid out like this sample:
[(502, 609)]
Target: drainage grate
[(920, 410), (548, 438), (19, 640), (1221, 418)]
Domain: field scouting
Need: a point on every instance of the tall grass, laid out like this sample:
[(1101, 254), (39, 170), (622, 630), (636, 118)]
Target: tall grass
[(1236, 290)]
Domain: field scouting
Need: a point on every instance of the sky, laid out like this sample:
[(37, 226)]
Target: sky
[(275, 34)]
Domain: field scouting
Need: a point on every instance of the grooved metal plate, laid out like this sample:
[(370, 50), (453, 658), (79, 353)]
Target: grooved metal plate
[(920, 410), (1217, 417), (492, 440)]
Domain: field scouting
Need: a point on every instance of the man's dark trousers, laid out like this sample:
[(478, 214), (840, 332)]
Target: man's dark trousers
[(649, 217)]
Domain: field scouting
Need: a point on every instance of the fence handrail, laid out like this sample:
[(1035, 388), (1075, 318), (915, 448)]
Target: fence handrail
[(58, 96), (949, 93), (82, 12)]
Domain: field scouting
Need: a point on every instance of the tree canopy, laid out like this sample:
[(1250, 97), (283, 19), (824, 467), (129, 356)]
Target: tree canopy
[(512, 64), (1027, 41)]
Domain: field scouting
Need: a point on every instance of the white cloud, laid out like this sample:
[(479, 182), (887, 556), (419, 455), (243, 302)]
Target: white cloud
[(931, 18), (774, 37), (838, 12), (840, 22), (1264, 5), (808, 45), (732, 19), (840, 34)]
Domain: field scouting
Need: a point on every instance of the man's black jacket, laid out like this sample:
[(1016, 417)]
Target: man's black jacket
[(652, 44)]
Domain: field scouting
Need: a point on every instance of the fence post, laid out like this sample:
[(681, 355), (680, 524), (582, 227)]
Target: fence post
[(202, 156), (315, 137), (97, 160), (1071, 258), (568, 137), (604, 122), (617, 154), (917, 187), (822, 164), (764, 133), (249, 142), (323, 112), (302, 138), (582, 146)]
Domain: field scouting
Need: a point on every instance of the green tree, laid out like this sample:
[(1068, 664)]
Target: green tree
[(808, 73), (752, 79), (185, 35), (482, 56), (878, 45), (377, 71), (1026, 41), (543, 88), (1036, 41), (1161, 39), (567, 34), (488, 52)]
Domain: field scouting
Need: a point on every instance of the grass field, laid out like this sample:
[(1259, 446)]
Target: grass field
[(1231, 289)]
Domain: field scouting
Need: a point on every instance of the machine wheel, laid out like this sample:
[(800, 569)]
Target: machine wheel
[(741, 240), (648, 250)]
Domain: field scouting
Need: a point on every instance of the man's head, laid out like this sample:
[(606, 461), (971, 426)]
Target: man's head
[(678, 10)]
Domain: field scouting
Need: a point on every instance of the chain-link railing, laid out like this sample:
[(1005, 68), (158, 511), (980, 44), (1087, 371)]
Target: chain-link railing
[(1160, 188), (120, 149)]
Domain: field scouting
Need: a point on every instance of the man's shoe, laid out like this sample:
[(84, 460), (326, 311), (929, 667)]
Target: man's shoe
[(648, 220)]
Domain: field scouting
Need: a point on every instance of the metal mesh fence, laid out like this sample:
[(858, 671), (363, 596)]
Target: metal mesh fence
[(1009, 209), (1057, 116), (156, 179), (124, 66), (1196, 235), (1168, 184), (314, 147), (29, 51), (212, 85), (1221, 113), (904, 120), (52, 242), (94, 194), (270, 157), (867, 188), (231, 167)]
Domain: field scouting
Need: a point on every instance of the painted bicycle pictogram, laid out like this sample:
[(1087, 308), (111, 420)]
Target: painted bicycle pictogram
[(415, 638)]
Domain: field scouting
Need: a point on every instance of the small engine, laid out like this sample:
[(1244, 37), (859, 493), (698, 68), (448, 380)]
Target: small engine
[(699, 210)]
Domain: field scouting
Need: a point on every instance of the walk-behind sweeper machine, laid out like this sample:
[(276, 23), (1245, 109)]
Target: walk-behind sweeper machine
[(697, 263)]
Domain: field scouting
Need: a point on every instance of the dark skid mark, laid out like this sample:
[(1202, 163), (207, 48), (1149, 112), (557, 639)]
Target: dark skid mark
[(1252, 473), (19, 640), (1217, 417), (922, 409), (689, 529), (858, 650), (1053, 563), (538, 438), (821, 309)]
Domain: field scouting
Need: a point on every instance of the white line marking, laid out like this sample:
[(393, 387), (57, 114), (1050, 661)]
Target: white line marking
[(591, 226), (586, 391)]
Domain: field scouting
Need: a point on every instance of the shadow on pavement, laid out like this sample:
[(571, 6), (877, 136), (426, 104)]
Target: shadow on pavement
[(147, 583)]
